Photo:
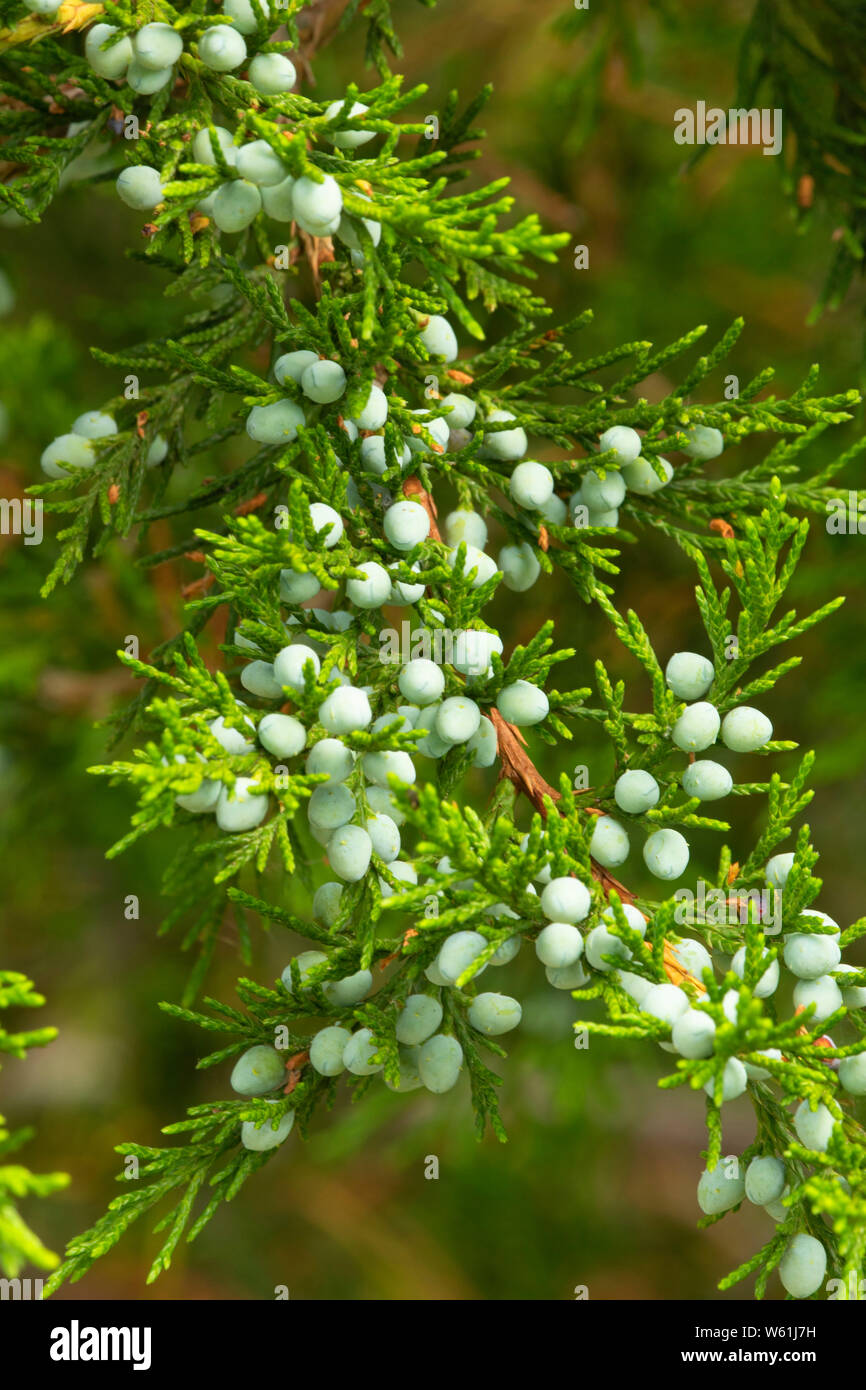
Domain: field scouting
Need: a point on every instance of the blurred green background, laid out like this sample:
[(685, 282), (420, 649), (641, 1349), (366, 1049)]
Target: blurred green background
[(596, 1186)]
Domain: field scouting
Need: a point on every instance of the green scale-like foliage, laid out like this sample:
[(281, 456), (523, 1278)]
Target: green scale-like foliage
[(418, 239)]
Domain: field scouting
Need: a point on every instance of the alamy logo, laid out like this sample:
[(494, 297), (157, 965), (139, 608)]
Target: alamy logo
[(25, 1290), (77, 1343), (22, 517), (713, 126), (468, 651)]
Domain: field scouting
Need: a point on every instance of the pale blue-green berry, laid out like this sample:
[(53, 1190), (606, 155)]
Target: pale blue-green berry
[(813, 1127), (769, 981), (327, 1048), (505, 953), (854, 996), (403, 593), (531, 484), (403, 872), (410, 714), (235, 206), (717, 1192), (257, 162), (567, 976), (689, 675), (778, 868), (290, 366), (371, 591), (635, 986), (107, 62), (206, 205), (345, 710), (291, 663), (559, 944), (665, 1002), (704, 443), (406, 524), (824, 993), (221, 48), (420, 1018), (520, 567), (697, 727), (326, 520), (347, 231), (431, 745), (484, 744), (331, 805), (231, 739), (350, 990), (734, 1081), (326, 902), (693, 1033), (272, 73), (202, 800), (359, 1052), (465, 526), (410, 1079), (461, 413), (259, 1137), (385, 836), (641, 478), (139, 186), (381, 799), (373, 455), (522, 703), (609, 844), (439, 1063), (324, 382), (331, 757), (375, 410), (506, 445), (258, 1070), (633, 916), (436, 427), (666, 854), (277, 198), (146, 81), (258, 678), (472, 650), (852, 1074), (623, 440), (458, 952), (317, 207), (765, 1180), (347, 139), (745, 729), (603, 518), (602, 494), (241, 808), (554, 510), (295, 587), (777, 1210), (94, 424), (306, 962), (157, 46), (636, 791), (458, 719), (494, 1014), (566, 900), (803, 1266), (421, 681), (707, 780), (378, 767), (439, 338), (477, 566), (349, 851), (601, 943), (157, 451), (809, 955), (731, 1004), (242, 15)]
